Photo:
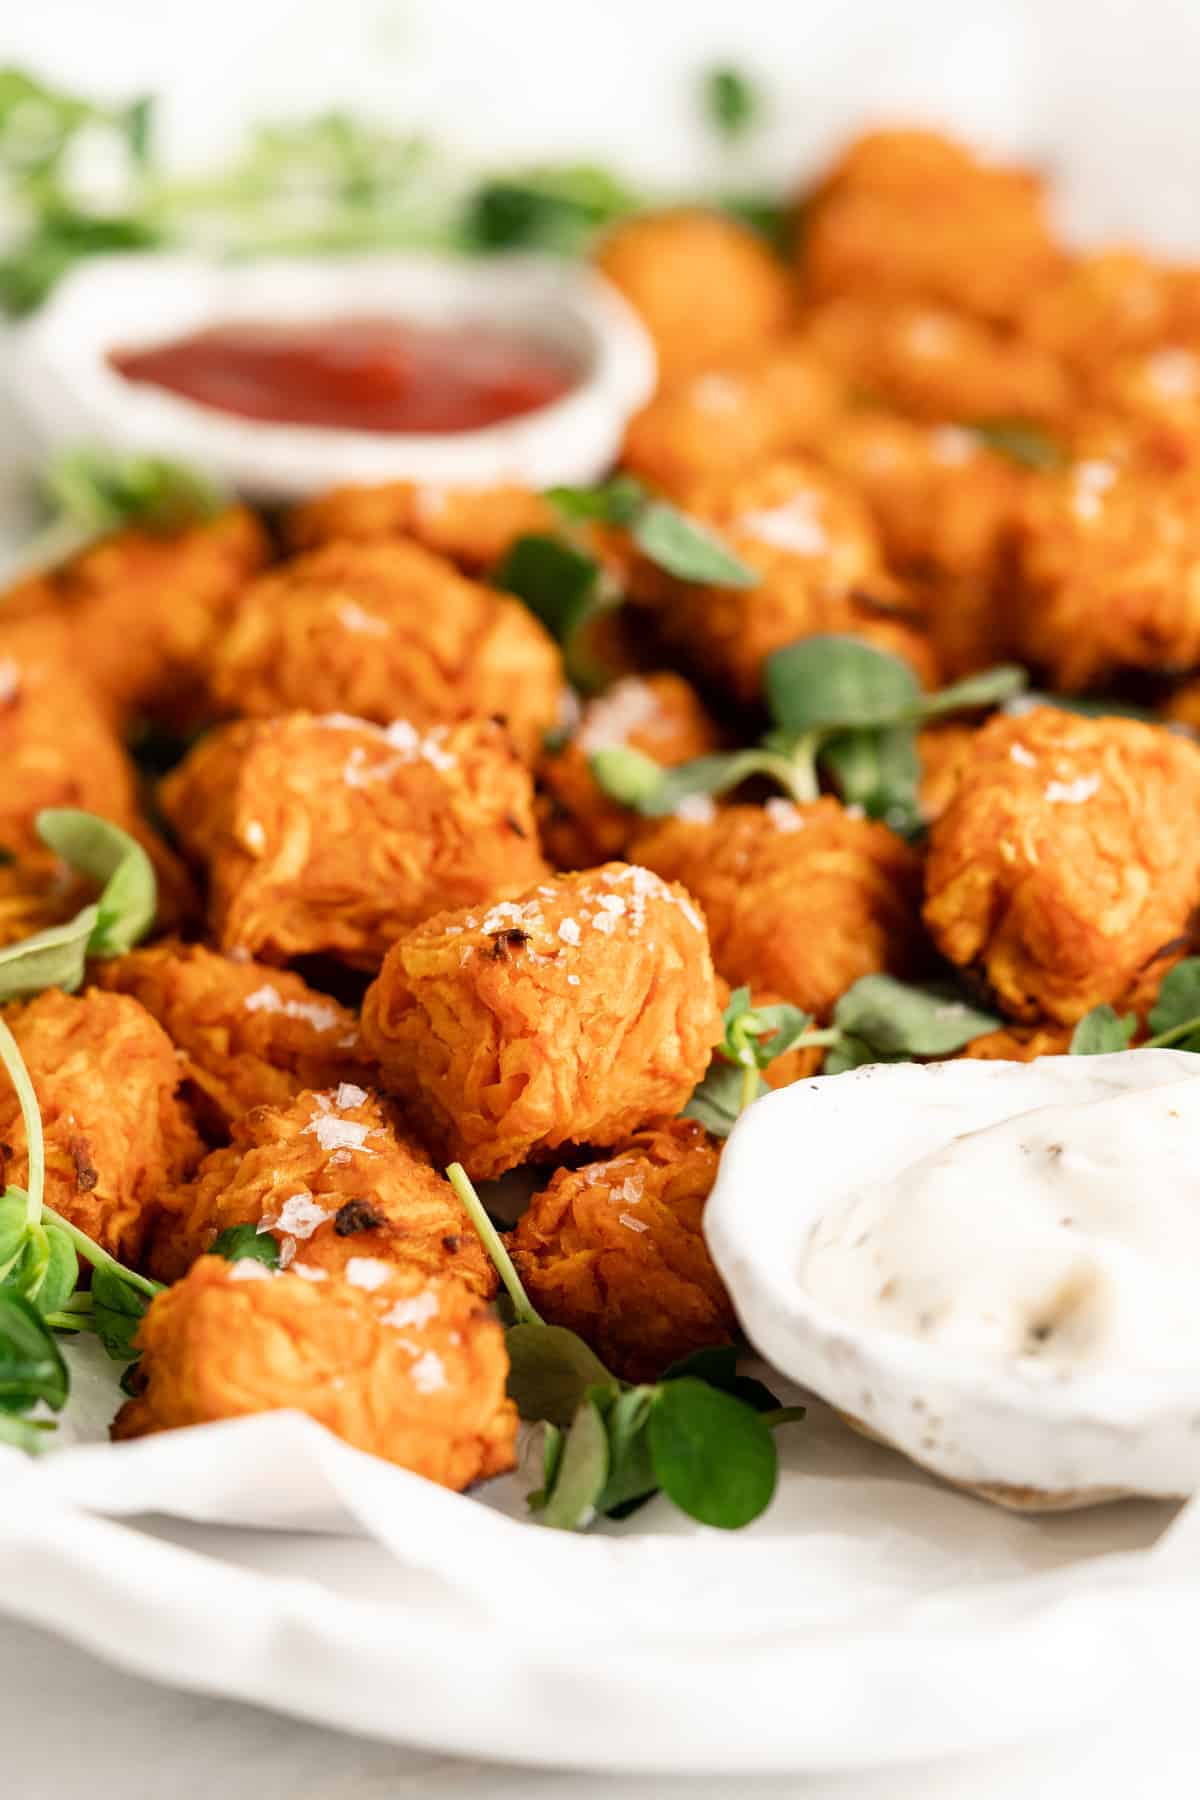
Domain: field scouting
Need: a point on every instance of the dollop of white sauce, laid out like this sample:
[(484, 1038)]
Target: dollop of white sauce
[(1064, 1236)]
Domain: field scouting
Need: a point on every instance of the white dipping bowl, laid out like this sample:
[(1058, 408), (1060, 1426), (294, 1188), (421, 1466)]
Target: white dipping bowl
[(56, 366), (1029, 1436)]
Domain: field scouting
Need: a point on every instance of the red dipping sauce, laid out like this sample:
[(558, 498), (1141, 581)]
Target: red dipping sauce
[(357, 374)]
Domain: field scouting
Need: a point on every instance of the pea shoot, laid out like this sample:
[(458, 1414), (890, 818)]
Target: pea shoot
[(702, 1435), (1174, 1019), (567, 586), (90, 493), (878, 1019), (839, 707)]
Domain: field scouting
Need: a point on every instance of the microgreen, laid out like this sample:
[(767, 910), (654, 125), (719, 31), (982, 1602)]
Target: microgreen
[(91, 492), (879, 1019), (666, 537), (835, 702), (701, 1435), (731, 102), (567, 590), (555, 209), (753, 1037), (31, 1365), (1025, 444), (1102, 1031), (1174, 1019), (239, 1242), (109, 926)]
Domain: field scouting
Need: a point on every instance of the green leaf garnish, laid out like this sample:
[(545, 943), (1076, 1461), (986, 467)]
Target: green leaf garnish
[(118, 1309), (835, 683), (101, 491), (554, 209), (31, 1364), (688, 550), (111, 925), (599, 1454), (1102, 1031), (237, 1243), (582, 1471), (879, 769), (731, 103), (899, 1019), (753, 1038), (1177, 1008), (567, 590), (1025, 444), (713, 1456), (550, 1370), (665, 536)]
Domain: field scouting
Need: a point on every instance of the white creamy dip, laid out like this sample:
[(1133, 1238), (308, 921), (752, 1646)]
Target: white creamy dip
[(1068, 1234), (993, 1266)]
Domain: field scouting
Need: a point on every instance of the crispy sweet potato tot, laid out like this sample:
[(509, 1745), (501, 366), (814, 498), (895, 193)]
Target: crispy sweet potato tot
[(659, 714), (1065, 868), (329, 1176), (410, 1370), (800, 901), (911, 214), (248, 1035), (706, 288), (387, 631), (615, 1251), (575, 1014), (331, 835), (820, 565), (472, 526), (106, 1077)]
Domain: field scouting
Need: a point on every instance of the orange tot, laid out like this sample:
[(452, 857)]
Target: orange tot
[(329, 1177), (912, 214), (936, 363), (330, 835), (410, 1370), (58, 744), (248, 1034), (473, 527), (800, 900), (722, 420), (659, 714), (615, 1252), (145, 609), (705, 287), (810, 540), (106, 1078), (1108, 573), (374, 629), (1064, 869), (581, 1011), (946, 508)]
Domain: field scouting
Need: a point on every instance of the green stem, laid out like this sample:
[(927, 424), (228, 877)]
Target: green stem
[(783, 1415), (493, 1243), (18, 1074), (1166, 1038), (813, 1040), (751, 1086), (100, 1259), (67, 1321)]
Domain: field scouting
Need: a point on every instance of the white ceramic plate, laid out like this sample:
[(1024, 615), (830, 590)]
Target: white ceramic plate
[(869, 1617)]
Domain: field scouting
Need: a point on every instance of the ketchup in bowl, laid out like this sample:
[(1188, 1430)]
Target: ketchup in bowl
[(357, 373)]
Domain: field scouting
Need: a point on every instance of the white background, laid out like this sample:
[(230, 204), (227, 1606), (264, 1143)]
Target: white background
[(1103, 94)]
